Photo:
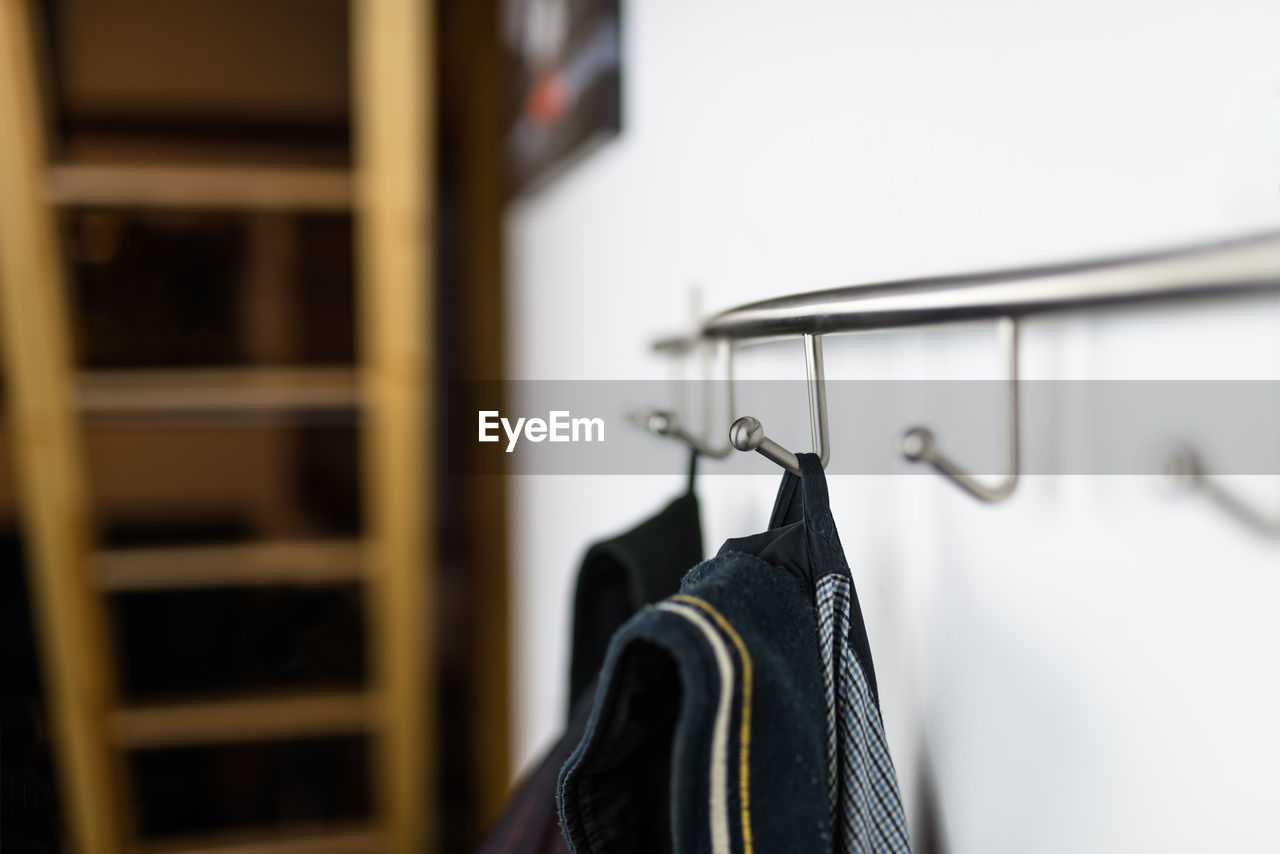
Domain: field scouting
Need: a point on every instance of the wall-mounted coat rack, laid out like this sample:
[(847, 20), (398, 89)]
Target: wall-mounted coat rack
[(1205, 271)]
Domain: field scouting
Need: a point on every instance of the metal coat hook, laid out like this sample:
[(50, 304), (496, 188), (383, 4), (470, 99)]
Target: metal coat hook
[(747, 433), (666, 422), (1186, 467), (919, 445)]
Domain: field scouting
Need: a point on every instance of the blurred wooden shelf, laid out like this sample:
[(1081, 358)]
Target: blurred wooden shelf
[(303, 562), (343, 839), (248, 719), (182, 390), (356, 101), (201, 187)]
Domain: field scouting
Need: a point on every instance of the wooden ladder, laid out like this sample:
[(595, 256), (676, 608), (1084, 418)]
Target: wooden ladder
[(389, 192)]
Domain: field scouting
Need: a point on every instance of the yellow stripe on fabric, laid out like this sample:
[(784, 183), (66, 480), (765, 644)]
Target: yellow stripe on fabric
[(744, 745)]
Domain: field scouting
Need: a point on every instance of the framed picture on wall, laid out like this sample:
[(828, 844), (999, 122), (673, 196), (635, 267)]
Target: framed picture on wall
[(564, 94)]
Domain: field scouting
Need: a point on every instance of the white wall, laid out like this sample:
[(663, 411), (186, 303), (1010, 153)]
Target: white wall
[(1090, 667)]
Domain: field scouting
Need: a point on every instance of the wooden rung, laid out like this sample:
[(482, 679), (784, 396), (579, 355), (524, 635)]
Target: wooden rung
[(253, 719), (339, 840), (308, 562), (225, 187), (216, 390)]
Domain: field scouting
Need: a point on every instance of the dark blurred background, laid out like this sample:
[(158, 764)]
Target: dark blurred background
[(203, 167)]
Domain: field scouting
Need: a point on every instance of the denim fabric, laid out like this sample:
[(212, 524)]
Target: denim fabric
[(617, 576), (741, 715), (707, 732)]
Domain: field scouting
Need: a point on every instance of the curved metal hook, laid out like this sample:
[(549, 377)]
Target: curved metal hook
[(919, 445), (747, 433), (666, 422), (1186, 467)]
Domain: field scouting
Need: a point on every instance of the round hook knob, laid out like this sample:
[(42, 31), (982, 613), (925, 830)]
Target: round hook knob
[(659, 422), (917, 443), (746, 434), (1183, 467)]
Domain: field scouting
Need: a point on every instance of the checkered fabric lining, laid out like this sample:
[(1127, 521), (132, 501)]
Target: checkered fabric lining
[(866, 806)]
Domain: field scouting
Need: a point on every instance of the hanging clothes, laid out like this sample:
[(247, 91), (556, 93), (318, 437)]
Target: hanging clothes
[(617, 577), (620, 575), (742, 714)]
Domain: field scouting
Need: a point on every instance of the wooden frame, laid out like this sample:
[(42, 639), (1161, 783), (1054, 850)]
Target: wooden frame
[(49, 454), (394, 93)]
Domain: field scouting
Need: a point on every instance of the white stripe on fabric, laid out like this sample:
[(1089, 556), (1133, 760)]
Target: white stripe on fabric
[(720, 731)]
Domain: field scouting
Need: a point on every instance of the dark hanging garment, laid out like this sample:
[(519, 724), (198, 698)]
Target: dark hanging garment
[(528, 823), (620, 575), (741, 715), (617, 577)]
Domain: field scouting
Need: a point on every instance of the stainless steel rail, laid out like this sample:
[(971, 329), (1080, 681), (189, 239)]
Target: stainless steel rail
[(1208, 270)]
